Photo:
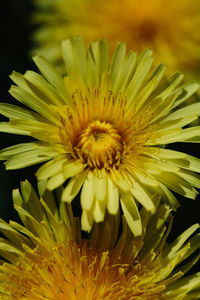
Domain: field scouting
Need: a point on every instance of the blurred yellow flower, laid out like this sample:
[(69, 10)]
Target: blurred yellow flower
[(47, 258), (103, 126), (171, 29)]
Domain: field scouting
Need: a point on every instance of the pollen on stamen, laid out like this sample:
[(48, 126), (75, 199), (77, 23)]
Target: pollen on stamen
[(99, 145), (99, 132)]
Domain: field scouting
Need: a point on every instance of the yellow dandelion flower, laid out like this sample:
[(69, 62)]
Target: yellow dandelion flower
[(102, 128), (47, 258), (171, 29)]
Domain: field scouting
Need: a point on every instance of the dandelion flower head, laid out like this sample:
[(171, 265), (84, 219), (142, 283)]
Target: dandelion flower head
[(171, 29), (46, 258), (102, 128)]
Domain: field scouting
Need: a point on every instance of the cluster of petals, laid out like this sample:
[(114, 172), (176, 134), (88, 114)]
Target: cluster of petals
[(46, 257), (101, 130)]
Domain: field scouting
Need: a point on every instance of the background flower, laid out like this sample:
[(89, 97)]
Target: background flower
[(171, 29), (47, 258), (99, 126)]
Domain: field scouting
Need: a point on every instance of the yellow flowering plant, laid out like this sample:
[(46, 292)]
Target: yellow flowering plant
[(171, 29), (102, 128), (46, 257)]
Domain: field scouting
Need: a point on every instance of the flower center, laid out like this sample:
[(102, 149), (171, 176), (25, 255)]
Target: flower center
[(147, 31), (99, 145), (70, 272)]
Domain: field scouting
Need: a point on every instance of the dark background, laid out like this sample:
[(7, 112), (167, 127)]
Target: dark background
[(15, 48)]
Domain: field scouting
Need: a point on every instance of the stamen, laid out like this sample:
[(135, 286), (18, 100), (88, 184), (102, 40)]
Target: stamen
[(99, 132)]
